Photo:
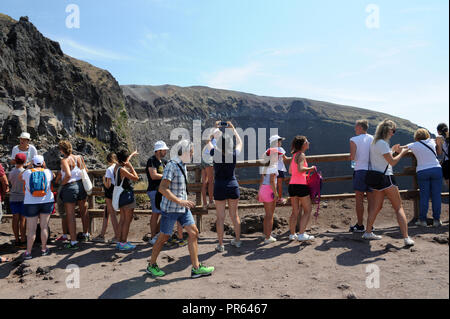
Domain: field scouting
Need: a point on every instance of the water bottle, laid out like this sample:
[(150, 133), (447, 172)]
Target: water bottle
[(353, 164)]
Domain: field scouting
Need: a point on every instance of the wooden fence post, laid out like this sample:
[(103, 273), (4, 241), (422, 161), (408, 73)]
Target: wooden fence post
[(198, 196), (91, 205)]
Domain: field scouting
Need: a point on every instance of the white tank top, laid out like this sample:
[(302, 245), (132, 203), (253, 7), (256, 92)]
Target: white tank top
[(75, 173)]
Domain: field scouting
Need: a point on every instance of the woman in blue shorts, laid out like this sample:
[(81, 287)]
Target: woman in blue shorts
[(38, 203)]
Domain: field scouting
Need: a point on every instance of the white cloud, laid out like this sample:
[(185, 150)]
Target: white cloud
[(80, 51)]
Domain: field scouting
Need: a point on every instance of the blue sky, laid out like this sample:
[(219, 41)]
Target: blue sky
[(322, 50)]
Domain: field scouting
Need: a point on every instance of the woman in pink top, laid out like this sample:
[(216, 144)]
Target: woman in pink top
[(299, 190)]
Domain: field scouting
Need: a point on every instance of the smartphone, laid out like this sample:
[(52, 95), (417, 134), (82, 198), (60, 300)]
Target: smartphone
[(223, 124)]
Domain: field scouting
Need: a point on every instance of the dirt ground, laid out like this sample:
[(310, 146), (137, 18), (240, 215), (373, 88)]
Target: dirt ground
[(338, 264)]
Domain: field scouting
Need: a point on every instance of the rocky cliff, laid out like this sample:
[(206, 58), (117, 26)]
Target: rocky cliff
[(54, 96)]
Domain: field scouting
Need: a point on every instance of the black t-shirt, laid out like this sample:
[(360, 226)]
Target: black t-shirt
[(159, 165), (224, 171)]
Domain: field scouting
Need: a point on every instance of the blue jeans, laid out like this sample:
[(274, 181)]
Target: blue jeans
[(152, 196), (430, 184), (168, 220)]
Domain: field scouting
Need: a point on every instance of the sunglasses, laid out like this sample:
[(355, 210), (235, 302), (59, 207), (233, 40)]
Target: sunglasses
[(393, 131)]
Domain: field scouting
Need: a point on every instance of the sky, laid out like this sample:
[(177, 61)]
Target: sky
[(384, 55)]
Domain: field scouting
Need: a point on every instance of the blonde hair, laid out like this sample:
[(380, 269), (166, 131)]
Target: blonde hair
[(364, 124), (421, 134), (383, 129), (66, 147)]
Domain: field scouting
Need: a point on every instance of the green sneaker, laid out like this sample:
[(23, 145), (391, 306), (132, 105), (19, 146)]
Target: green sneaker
[(154, 271), (201, 271), (72, 247), (182, 242)]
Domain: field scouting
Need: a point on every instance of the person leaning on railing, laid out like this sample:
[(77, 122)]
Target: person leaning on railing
[(382, 160), (442, 142), (429, 175)]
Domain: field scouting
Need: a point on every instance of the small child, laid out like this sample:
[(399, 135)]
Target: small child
[(16, 201)]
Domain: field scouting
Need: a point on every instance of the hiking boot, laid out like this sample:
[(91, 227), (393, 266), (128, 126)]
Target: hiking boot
[(154, 271), (357, 229), (408, 241), (371, 236), (422, 223), (236, 243), (270, 240), (220, 248), (305, 237), (201, 271), (293, 237), (437, 223)]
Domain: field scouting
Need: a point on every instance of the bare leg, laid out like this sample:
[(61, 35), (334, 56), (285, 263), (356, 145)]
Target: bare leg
[(394, 196), (23, 229), (179, 230), (43, 222), (31, 232), (220, 219), (378, 198), (294, 215), (204, 187), (359, 206), (105, 222), (157, 247), (84, 215), (127, 218), (193, 244), (233, 211), (210, 174), (307, 209), (71, 221), (268, 218), (16, 226)]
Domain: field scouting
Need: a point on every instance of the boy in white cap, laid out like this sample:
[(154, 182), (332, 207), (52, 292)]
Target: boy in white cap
[(275, 142), (24, 147)]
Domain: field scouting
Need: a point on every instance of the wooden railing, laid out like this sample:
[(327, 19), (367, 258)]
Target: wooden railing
[(195, 187)]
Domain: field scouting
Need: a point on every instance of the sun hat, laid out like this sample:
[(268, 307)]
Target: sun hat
[(38, 160), (160, 145), (21, 158), (25, 136), (274, 138)]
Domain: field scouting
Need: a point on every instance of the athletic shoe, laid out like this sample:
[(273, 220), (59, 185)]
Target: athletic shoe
[(72, 247), (99, 239), (270, 240), (236, 243), (45, 252), (357, 229), (422, 223), (437, 223), (220, 248), (408, 241), (62, 238), (172, 241), (201, 271), (371, 236), (305, 237), (293, 237), (126, 246), (113, 240), (154, 271), (182, 242), (85, 237), (26, 256)]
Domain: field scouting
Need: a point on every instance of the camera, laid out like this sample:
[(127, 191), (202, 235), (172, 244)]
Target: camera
[(223, 124)]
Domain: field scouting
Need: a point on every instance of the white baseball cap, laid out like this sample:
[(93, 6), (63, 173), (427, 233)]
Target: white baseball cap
[(160, 145), (38, 160), (25, 135), (274, 138)]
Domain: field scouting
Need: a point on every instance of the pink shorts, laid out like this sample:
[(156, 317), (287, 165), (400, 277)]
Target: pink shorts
[(265, 194)]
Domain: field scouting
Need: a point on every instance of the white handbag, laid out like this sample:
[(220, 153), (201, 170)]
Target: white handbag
[(116, 192), (87, 183)]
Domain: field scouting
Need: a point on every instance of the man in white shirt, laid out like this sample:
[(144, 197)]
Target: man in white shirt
[(24, 147), (360, 154)]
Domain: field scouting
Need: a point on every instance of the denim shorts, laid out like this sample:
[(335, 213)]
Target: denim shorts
[(168, 220), (73, 192), (152, 196), (34, 210), (16, 208), (281, 174), (359, 181)]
